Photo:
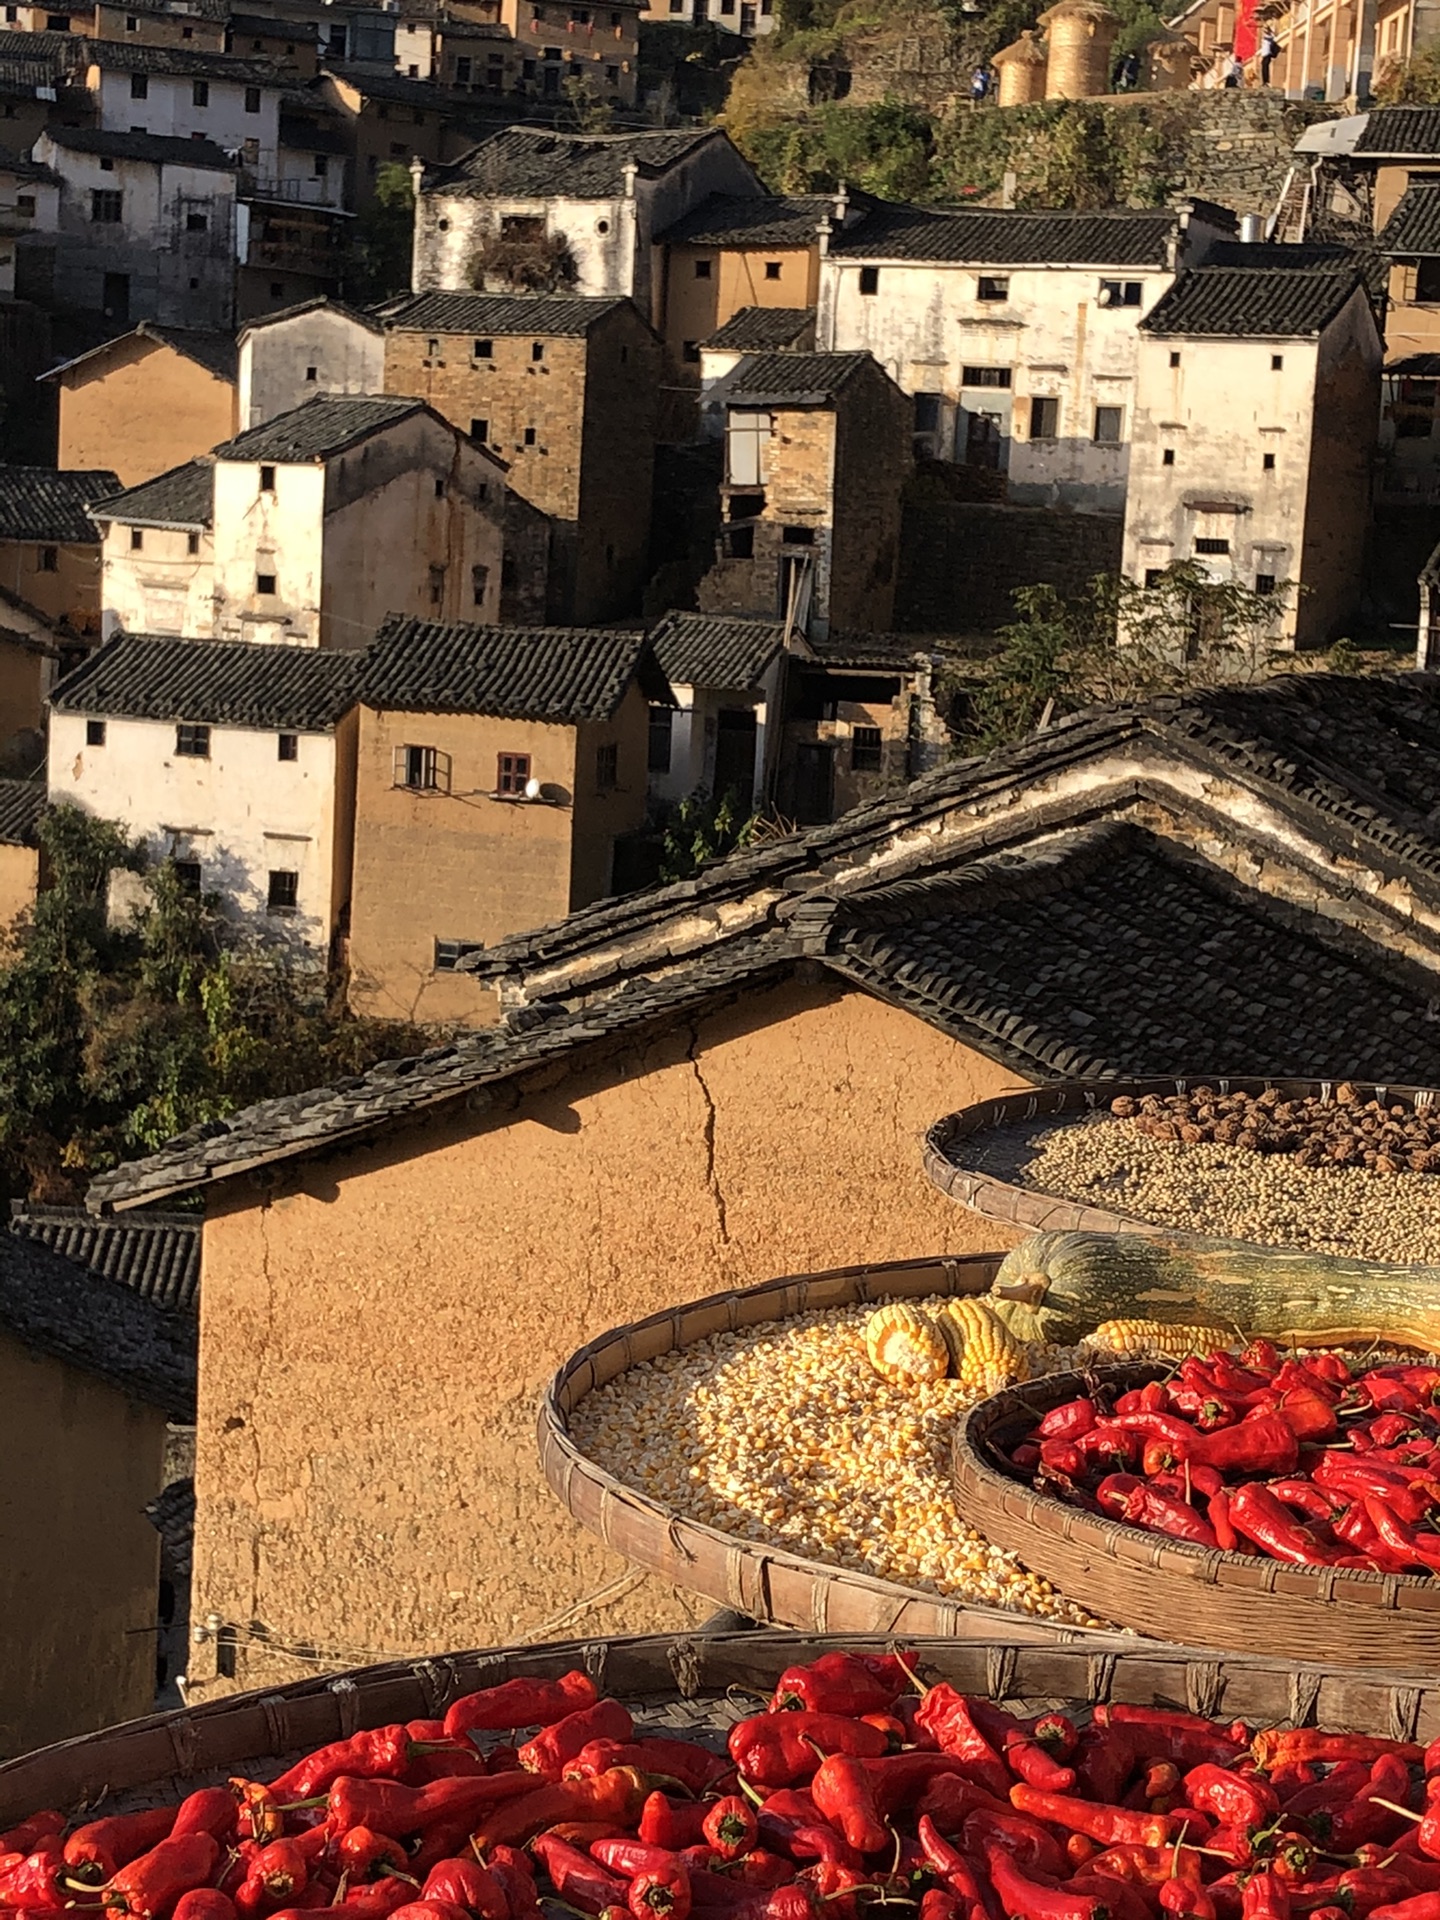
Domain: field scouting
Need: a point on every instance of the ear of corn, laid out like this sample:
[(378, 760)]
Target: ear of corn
[(1135, 1339), (904, 1344), (984, 1354)]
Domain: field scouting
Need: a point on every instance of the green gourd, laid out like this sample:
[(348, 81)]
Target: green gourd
[(1058, 1287)]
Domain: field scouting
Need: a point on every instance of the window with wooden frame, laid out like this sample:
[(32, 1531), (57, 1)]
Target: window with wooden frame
[(607, 767), (422, 769), (867, 749), (283, 893), (512, 772), (192, 741)]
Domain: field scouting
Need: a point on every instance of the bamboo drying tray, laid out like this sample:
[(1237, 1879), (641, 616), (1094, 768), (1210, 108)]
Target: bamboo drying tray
[(1156, 1585), (1031, 1210), (764, 1583), (696, 1687)]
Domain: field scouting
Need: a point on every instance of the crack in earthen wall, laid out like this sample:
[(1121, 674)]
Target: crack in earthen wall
[(711, 1178)]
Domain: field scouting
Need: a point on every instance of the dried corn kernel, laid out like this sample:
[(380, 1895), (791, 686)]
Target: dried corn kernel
[(984, 1354), (1138, 1339), (905, 1344)]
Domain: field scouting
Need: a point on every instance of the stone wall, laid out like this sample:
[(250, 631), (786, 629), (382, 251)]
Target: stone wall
[(961, 561)]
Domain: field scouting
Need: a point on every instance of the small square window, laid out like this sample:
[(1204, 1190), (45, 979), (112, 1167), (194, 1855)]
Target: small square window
[(867, 749), (662, 722), (483, 350), (1174, 359), (107, 165), (1120, 293), (537, 349), (985, 377), (1212, 546), (192, 742), (187, 33), (265, 583), (772, 269), (288, 747), (1277, 362), (49, 560), (312, 374), (1109, 423), (1264, 583), (321, 166), (284, 891), (94, 733), (187, 873), (1044, 419), (1167, 458), (480, 430), (479, 582), (993, 286), (277, 289), (423, 769), (869, 279), (690, 350), (197, 223), (267, 479), (192, 543), (105, 206), (702, 269), (1267, 462), (137, 539), (132, 24), (449, 953), (607, 767), (432, 349), (512, 771), (529, 436), (139, 86), (1154, 575)]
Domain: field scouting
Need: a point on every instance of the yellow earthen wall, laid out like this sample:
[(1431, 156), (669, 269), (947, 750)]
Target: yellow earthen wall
[(70, 592), (696, 308), (140, 410), (80, 1567), (19, 883), (373, 1344)]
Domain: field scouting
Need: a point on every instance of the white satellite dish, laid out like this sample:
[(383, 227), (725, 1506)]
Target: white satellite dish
[(532, 788)]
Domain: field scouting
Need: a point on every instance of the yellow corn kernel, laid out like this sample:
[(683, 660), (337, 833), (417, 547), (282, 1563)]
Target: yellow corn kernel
[(903, 1343), (1136, 1339), (984, 1354)]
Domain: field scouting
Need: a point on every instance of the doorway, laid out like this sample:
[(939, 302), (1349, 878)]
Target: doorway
[(735, 739), (115, 300), (814, 784)]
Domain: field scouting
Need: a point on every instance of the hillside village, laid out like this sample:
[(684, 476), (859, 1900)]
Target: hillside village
[(675, 660)]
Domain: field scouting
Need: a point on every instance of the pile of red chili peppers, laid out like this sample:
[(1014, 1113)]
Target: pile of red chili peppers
[(858, 1789), (1298, 1459)]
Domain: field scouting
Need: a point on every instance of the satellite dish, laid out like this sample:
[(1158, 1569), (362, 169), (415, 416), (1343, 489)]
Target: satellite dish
[(532, 788)]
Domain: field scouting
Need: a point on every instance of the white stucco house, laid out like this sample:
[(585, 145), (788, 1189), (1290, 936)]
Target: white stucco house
[(29, 219), (1016, 333), (319, 346), (321, 522), (231, 760), (722, 734), (605, 196), (182, 94)]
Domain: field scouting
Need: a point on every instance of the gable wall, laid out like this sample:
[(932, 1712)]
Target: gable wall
[(140, 410), (373, 1346)]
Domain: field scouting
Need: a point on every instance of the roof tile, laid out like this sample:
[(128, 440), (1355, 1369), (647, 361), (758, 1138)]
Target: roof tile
[(225, 683), (728, 651), (321, 427), (517, 673), (41, 503), (1413, 229), (765, 329), (1247, 303), (1396, 131), (529, 163), (999, 237), (499, 313), (155, 1255), (795, 379), (732, 220), (183, 497), (160, 149)]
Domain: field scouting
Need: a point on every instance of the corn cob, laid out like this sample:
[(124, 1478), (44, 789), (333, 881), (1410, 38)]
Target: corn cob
[(903, 1343), (1138, 1339), (984, 1354)]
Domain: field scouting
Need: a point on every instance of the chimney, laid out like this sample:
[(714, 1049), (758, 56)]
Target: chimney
[(630, 169), (1252, 228), (842, 204)]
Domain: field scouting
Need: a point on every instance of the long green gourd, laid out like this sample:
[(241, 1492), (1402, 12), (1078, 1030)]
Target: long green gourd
[(1058, 1287)]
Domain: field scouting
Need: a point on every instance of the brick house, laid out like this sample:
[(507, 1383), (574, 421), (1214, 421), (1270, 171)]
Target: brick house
[(146, 401), (197, 24), (49, 545), (709, 1084), (496, 768), (817, 450), (565, 390)]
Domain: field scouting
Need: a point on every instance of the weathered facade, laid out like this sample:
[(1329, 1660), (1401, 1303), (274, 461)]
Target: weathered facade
[(733, 253), (157, 564), (722, 735), (34, 652), (49, 545), (147, 401), (21, 804), (728, 1079), (1274, 486), (320, 346), (29, 219)]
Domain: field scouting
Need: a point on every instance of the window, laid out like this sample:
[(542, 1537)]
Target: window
[(1175, 359), (267, 479), (479, 584), (462, 72), (277, 289), (1264, 583), (449, 953), (192, 543), (252, 99), (422, 769), (321, 165), (187, 874), (483, 350), (94, 733), (132, 24), (312, 374), (284, 891), (690, 350), (1154, 575), (437, 586), (1427, 281), (137, 539), (139, 86), (25, 205), (1167, 458), (57, 23), (1212, 546), (288, 746), (985, 377), (196, 223), (1044, 419), (607, 767), (1120, 293), (1277, 362), (1108, 424), (702, 269), (537, 349), (869, 279), (264, 583), (432, 349), (1267, 462), (480, 430), (439, 489), (993, 286), (49, 560), (192, 742), (187, 33), (662, 721), (105, 204), (772, 269), (200, 93), (511, 772), (867, 750), (529, 436)]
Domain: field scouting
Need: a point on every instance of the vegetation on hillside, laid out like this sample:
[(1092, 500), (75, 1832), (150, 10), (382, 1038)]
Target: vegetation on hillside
[(379, 263), (1410, 83), (114, 1037)]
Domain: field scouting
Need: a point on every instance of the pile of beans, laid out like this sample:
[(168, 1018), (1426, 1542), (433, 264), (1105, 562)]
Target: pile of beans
[(1343, 1132)]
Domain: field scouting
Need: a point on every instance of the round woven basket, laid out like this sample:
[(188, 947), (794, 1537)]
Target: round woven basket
[(765, 1583), (1168, 1587), (1032, 1211), (695, 1687)]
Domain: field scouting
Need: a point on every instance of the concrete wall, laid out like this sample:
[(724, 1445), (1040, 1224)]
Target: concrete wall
[(427, 1287), (242, 813), (141, 408), (275, 362), (697, 305), (159, 587), (29, 217), (70, 590), (80, 1570), (961, 561)]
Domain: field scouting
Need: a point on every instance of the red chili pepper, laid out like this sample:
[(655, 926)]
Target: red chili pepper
[(258, 1812), (277, 1873), (1108, 1825), (210, 1810), (850, 1683), (468, 1885), (556, 1745), (515, 1874), (578, 1880), (1414, 1548), (1025, 1899), (1057, 1733), (520, 1703), (204, 1903), (1217, 1510), (382, 1753), (401, 1811), (361, 1849), (1365, 1888), (1265, 1898), (148, 1887), (375, 1902), (1232, 1799), (628, 1857), (671, 1823), (1033, 1848), (1318, 1804), (431, 1910), (1308, 1413), (1262, 1443), (28, 1835), (937, 1903), (1023, 1755), (97, 1851), (1277, 1745), (34, 1884), (692, 1767), (617, 1795), (843, 1792), (1069, 1421), (1367, 1817), (1256, 1513), (950, 1799), (757, 1869), (947, 1715), (779, 1749), (1160, 1513), (663, 1894), (731, 1827)]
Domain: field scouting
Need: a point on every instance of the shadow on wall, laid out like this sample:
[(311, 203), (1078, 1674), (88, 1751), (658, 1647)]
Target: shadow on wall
[(242, 893)]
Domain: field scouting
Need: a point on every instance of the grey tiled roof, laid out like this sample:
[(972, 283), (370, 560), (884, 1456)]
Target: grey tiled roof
[(321, 427), (266, 24), (1246, 303), (1394, 132), (728, 220), (59, 1309), (312, 306), (716, 650), (227, 683), (24, 168), (528, 163), (159, 149), (183, 497), (20, 78), (40, 503), (1413, 229), (794, 379), (184, 63), (499, 313), (397, 87), (763, 329), (156, 1255), (998, 237), (516, 673), (21, 804), (191, 9), (213, 350)]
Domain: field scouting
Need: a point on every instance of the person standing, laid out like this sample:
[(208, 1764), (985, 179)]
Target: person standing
[(1269, 53), (1234, 71), (979, 86)]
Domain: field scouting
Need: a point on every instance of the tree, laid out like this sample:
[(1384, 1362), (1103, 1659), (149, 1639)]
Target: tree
[(1118, 641), (1410, 83), (700, 828), (384, 233)]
